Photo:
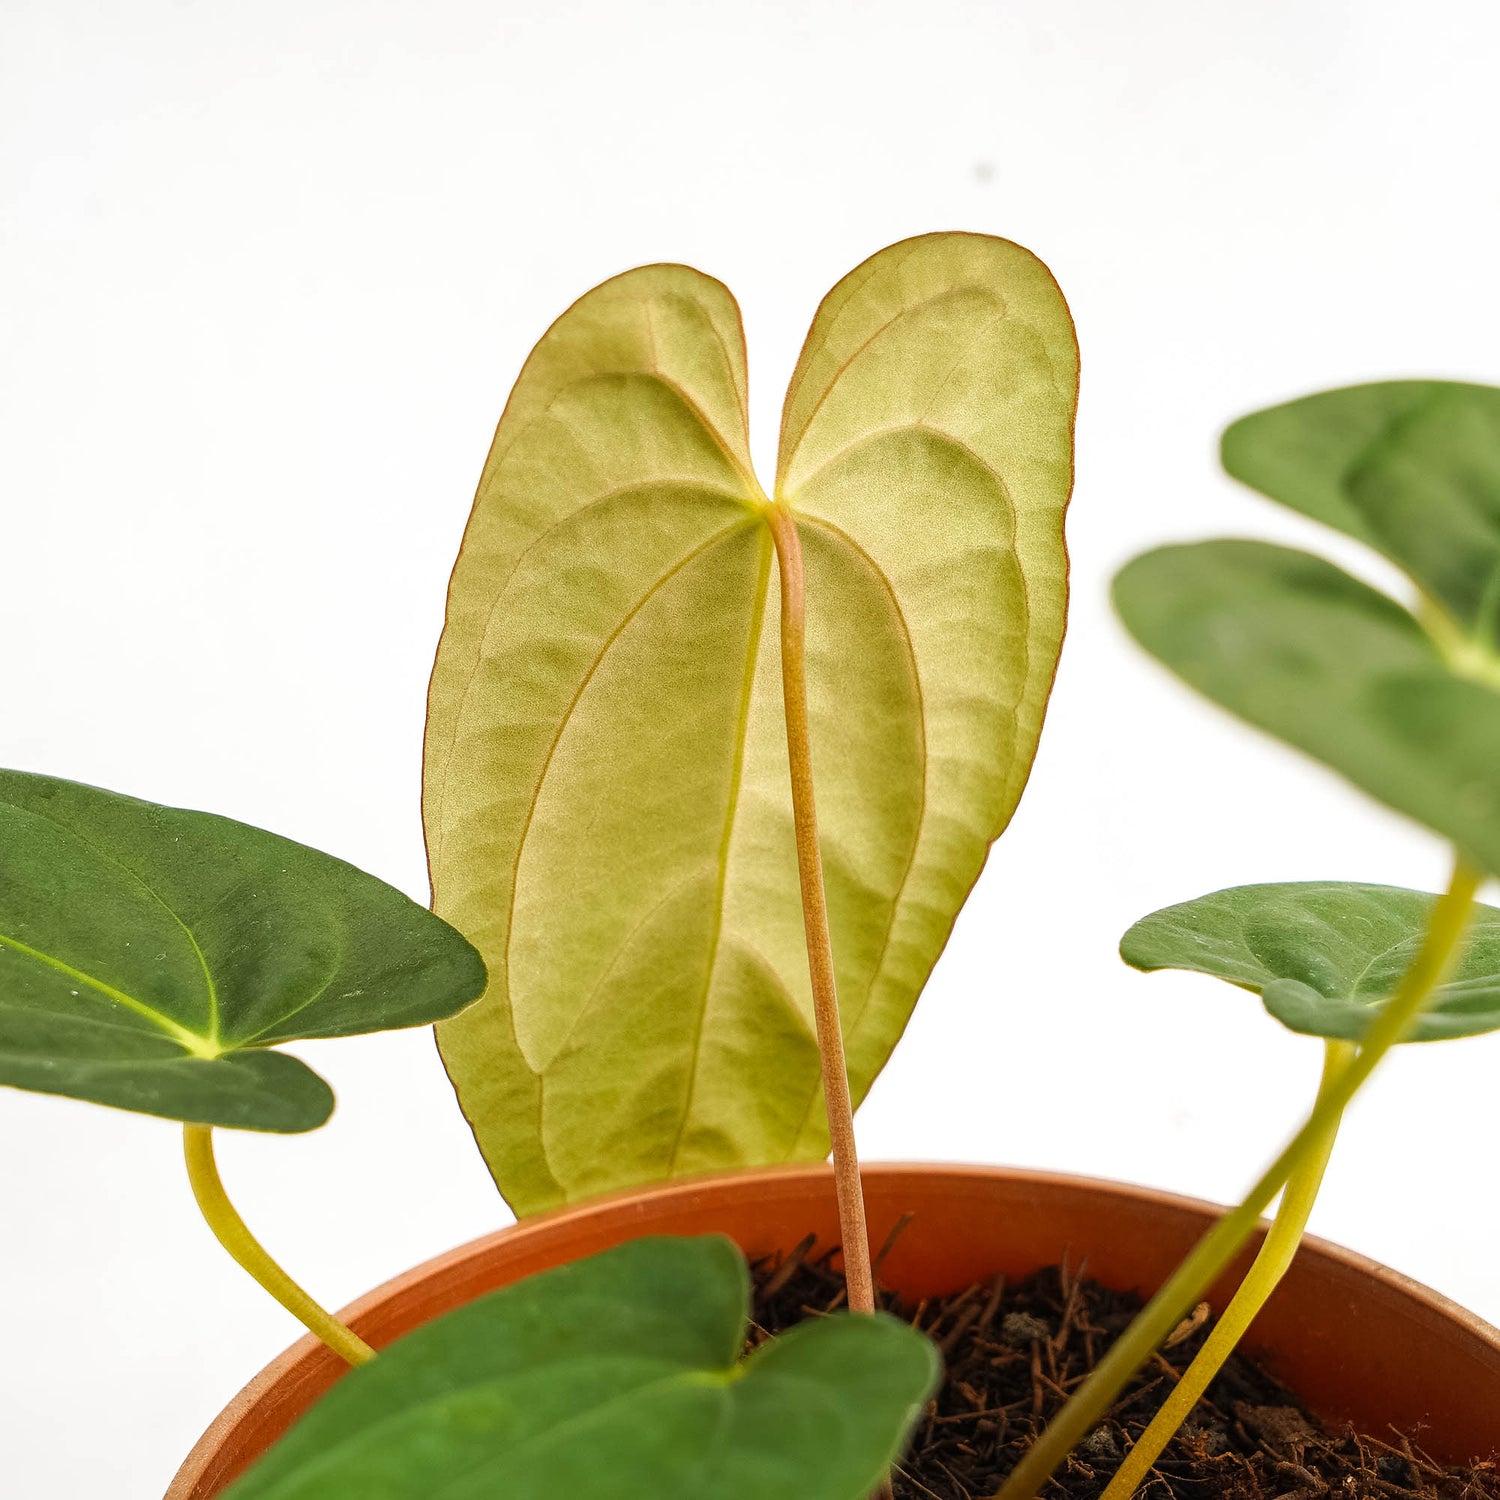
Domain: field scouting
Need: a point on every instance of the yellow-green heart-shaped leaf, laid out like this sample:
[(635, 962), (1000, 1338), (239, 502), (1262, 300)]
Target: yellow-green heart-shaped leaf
[(1411, 467), (607, 799), (151, 957), (1325, 955)]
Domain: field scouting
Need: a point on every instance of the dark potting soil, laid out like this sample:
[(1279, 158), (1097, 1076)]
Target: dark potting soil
[(1013, 1354)]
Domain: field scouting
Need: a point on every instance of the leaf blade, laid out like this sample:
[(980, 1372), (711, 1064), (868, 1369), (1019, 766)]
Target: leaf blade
[(1410, 467), (586, 525), (614, 1376), (939, 381), (148, 954), (649, 1012), (1324, 955), (1298, 648)]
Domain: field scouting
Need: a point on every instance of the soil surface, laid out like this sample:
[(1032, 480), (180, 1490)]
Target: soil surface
[(1014, 1353)]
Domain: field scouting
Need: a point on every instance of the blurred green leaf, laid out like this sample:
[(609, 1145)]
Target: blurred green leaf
[(149, 956), (1297, 647), (607, 798), (1324, 955), (1411, 467), (613, 1378)]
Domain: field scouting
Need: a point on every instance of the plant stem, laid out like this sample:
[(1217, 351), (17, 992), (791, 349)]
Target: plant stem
[(1260, 1281), (851, 1198), (1218, 1247), (224, 1220)]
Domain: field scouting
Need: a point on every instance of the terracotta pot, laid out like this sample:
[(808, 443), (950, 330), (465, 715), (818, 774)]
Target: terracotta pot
[(1356, 1340)]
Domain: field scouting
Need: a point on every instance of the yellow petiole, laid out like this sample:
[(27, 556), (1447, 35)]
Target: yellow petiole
[(232, 1234)]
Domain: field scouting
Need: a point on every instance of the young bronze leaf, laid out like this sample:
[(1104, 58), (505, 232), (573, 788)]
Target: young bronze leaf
[(1324, 955), (613, 1378), (149, 956), (607, 794), (1412, 467)]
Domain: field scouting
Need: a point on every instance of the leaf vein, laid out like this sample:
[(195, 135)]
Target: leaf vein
[(178, 1033), (872, 268), (644, 486), (731, 810), (567, 717), (150, 890)]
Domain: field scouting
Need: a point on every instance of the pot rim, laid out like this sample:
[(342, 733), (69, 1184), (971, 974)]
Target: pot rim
[(782, 1180), (687, 1187)]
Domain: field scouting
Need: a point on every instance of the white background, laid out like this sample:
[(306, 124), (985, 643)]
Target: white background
[(266, 274)]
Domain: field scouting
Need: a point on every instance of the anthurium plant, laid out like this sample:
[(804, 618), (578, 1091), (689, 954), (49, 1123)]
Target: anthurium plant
[(710, 768), (624, 812), (645, 655), (1400, 696), (153, 958)]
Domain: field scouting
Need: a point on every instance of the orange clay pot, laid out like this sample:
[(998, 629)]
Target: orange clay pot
[(1355, 1340)]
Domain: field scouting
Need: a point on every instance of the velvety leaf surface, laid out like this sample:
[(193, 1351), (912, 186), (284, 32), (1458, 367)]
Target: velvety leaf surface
[(1324, 955), (1411, 467), (150, 955), (1298, 647), (607, 797), (610, 1379)]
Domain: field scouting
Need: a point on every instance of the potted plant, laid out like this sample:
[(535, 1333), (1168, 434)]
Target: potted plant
[(152, 958), (916, 536), (708, 861)]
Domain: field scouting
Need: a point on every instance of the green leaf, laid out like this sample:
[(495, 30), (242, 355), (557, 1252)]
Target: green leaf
[(610, 1379), (1299, 648), (149, 956), (1324, 955), (607, 798), (1411, 467)]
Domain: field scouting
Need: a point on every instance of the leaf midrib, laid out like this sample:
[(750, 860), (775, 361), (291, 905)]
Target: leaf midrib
[(199, 1046), (198, 1043), (726, 839), (567, 716)]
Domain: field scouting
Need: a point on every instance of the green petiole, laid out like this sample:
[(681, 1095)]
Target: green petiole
[(223, 1218), (1276, 1254), (1219, 1246)]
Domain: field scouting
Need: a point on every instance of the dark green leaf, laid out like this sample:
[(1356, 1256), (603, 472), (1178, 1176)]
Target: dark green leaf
[(148, 955), (1412, 467), (614, 1378), (1324, 955), (1296, 646)]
